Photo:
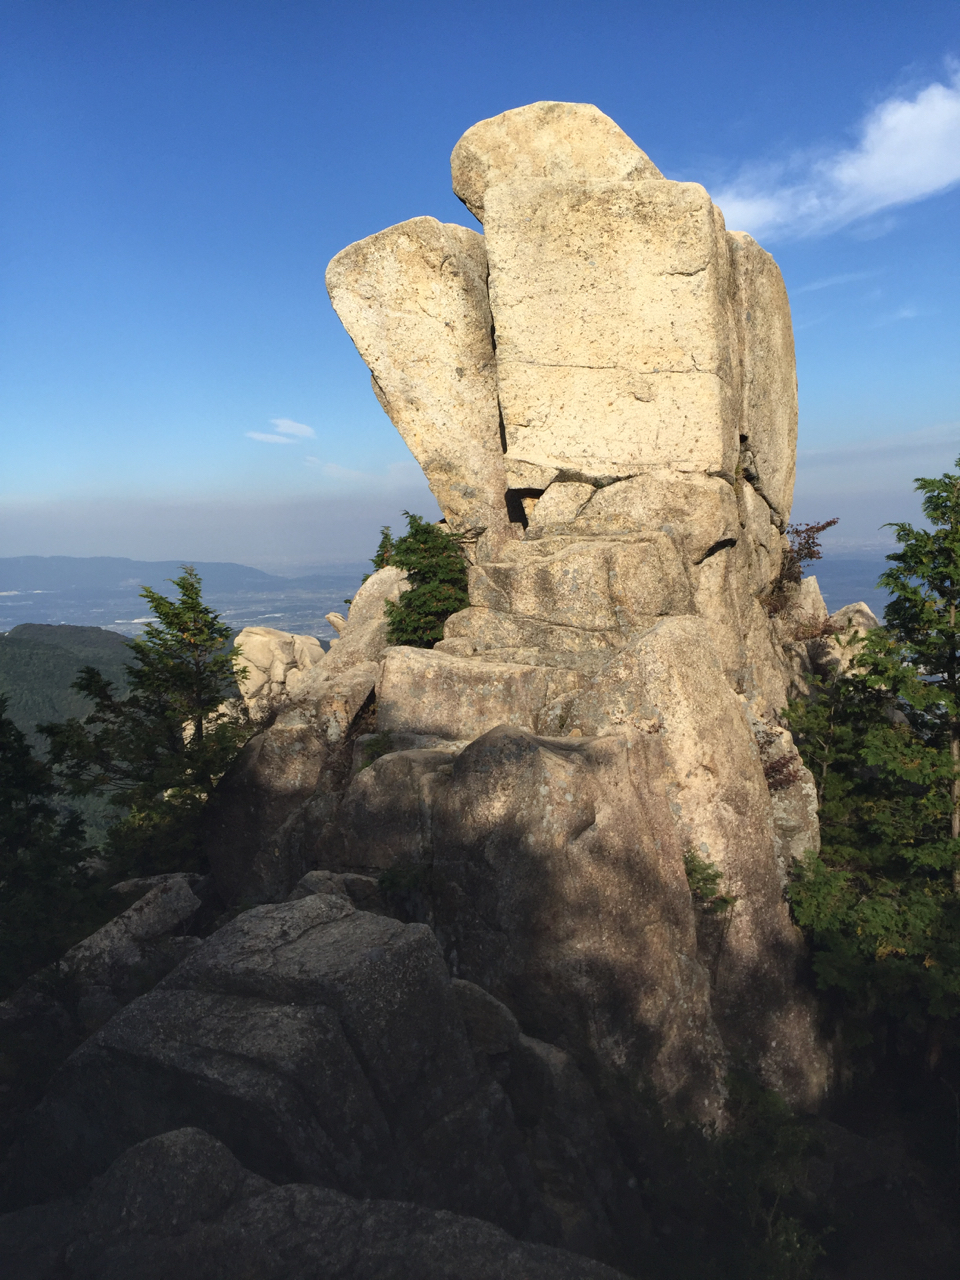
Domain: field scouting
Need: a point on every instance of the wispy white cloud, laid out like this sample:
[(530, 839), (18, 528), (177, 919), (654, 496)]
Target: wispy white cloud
[(267, 438), (902, 313), (289, 428), (287, 432), (908, 149), (830, 282)]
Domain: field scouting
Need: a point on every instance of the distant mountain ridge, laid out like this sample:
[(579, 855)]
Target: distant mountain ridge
[(109, 573), (104, 591)]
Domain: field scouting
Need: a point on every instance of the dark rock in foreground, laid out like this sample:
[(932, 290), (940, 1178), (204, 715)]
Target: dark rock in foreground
[(181, 1207), (328, 1046)]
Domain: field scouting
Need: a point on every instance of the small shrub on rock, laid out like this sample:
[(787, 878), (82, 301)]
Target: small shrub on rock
[(803, 548)]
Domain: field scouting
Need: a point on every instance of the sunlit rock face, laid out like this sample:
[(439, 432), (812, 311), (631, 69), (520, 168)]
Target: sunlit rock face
[(604, 371), (601, 391)]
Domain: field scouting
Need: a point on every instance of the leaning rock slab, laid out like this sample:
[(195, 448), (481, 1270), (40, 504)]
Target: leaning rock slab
[(131, 952), (414, 300), (244, 835), (768, 416)]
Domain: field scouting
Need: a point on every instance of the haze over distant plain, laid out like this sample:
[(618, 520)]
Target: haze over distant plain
[(175, 384)]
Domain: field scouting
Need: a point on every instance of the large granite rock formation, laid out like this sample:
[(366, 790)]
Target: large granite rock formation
[(330, 1047), (638, 361), (476, 957), (601, 392)]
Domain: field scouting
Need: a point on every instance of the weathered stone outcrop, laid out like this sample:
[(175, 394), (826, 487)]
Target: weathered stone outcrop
[(43, 1021), (284, 786), (646, 393), (275, 661), (552, 871), (559, 886), (363, 636), (837, 648), (271, 809), (601, 390)]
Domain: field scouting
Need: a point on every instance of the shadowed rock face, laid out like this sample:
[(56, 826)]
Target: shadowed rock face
[(559, 886), (328, 1046), (181, 1204)]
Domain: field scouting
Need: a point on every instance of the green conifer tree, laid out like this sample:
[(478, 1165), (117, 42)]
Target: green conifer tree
[(879, 901), (48, 896), (437, 573), (924, 578), (158, 752)]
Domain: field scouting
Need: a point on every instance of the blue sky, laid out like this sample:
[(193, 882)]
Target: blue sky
[(177, 176)]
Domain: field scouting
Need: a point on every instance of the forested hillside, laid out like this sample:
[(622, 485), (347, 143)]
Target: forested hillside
[(39, 663)]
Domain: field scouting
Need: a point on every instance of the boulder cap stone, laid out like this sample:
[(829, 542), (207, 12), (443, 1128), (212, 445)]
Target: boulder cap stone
[(544, 140)]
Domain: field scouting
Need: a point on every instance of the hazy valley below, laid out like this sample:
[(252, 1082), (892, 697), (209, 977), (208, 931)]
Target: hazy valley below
[(104, 591)]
